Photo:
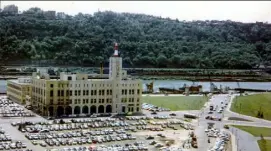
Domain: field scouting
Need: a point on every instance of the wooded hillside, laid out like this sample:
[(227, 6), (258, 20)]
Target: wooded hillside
[(144, 41)]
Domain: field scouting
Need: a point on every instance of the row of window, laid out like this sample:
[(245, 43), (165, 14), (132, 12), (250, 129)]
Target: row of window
[(124, 100), (14, 86), (38, 91), (92, 92), (92, 85), (61, 101), (85, 101), (14, 92)]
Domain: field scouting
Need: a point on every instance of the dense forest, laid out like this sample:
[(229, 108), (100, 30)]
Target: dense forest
[(144, 41)]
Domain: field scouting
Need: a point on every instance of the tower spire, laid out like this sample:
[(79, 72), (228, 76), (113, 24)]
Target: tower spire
[(116, 52)]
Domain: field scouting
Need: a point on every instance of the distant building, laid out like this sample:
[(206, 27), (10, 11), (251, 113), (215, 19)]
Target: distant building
[(10, 9), (49, 14), (18, 90), (61, 15)]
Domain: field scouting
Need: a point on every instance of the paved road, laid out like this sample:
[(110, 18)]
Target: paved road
[(244, 140), (203, 123)]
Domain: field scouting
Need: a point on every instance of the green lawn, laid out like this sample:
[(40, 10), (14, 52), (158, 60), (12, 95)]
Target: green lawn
[(255, 131), (264, 145), (176, 103), (250, 105)]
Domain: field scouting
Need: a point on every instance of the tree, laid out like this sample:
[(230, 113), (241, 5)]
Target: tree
[(144, 41)]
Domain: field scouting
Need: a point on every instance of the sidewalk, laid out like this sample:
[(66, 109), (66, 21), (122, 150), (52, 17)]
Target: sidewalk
[(233, 141)]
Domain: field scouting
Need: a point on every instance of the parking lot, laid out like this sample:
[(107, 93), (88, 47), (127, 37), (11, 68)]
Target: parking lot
[(11, 109), (151, 132)]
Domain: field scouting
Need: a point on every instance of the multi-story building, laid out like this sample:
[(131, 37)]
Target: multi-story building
[(19, 90), (76, 94)]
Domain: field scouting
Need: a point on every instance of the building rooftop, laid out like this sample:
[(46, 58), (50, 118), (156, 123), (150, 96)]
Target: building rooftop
[(19, 82)]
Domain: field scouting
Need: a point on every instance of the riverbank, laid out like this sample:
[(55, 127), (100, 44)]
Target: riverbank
[(206, 79), (188, 78)]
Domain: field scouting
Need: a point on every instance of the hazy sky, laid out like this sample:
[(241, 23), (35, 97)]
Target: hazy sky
[(249, 11)]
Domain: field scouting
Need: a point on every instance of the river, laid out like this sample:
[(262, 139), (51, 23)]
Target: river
[(179, 83)]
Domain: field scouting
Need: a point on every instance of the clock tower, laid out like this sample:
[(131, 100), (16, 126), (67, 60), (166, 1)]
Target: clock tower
[(115, 74)]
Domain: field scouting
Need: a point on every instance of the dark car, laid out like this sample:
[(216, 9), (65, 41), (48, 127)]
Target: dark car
[(226, 127), (210, 112), (150, 137), (208, 117), (172, 114), (153, 113)]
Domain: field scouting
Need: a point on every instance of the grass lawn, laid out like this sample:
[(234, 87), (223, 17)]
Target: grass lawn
[(176, 103), (265, 146), (250, 105), (255, 131)]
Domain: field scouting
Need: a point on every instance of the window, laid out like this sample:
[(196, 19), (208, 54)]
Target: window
[(75, 92), (58, 92), (87, 93), (95, 101), (138, 91), (67, 92), (75, 101), (51, 101), (79, 101), (87, 101), (100, 92), (107, 100), (52, 85), (69, 78), (84, 92), (83, 101), (107, 92), (70, 92), (137, 99), (102, 100), (51, 93), (79, 92), (62, 92), (91, 101)]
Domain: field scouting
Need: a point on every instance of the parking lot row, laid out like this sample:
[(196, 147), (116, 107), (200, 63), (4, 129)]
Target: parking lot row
[(136, 146), (10, 109)]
